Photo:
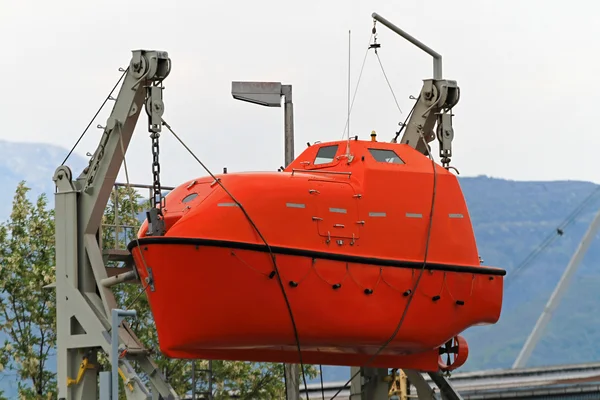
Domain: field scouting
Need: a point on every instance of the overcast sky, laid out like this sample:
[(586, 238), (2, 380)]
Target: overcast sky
[(527, 72)]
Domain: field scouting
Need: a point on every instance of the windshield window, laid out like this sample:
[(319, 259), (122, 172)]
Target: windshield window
[(326, 154), (385, 155)]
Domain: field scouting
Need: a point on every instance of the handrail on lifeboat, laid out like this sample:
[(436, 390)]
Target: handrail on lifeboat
[(322, 172)]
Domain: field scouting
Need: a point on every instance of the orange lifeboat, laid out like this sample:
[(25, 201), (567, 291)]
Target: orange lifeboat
[(350, 227)]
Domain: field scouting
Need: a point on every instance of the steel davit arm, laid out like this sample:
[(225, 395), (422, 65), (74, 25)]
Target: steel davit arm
[(83, 304), (146, 72), (434, 104)]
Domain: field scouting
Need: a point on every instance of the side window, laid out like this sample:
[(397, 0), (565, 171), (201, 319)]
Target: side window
[(326, 154), (385, 155)]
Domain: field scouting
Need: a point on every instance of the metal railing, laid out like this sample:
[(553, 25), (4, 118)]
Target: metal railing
[(121, 232)]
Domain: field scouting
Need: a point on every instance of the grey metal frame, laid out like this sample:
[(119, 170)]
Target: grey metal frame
[(269, 94), (434, 105), (371, 384), (116, 318), (84, 304)]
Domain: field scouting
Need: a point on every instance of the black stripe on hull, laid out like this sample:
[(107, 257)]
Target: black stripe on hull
[(382, 262)]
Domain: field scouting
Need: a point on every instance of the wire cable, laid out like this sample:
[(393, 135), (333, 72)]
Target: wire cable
[(388, 81), (258, 232), (94, 117), (356, 88), (559, 231)]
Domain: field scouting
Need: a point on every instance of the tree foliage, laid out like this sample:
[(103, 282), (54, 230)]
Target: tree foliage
[(27, 309)]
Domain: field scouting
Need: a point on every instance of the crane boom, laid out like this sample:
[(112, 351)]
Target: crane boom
[(84, 303)]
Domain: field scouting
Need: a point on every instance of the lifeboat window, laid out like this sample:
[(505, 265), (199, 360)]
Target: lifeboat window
[(385, 155), (189, 197), (326, 154)]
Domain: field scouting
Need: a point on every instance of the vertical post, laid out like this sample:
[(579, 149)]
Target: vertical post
[(370, 384), (116, 205), (193, 379), (210, 379), (269, 94), (292, 371), (114, 341), (356, 384), (288, 110), (105, 390)]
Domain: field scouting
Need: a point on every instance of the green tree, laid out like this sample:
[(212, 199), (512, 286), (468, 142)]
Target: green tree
[(27, 309)]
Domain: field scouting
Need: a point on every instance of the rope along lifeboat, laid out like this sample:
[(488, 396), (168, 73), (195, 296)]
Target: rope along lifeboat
[(347, 236)]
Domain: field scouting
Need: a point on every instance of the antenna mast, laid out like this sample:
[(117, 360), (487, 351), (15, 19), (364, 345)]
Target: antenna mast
[(348, 124), (349, 49)]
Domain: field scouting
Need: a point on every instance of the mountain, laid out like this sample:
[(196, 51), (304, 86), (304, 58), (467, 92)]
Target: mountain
[(511, 219), (34, 163)]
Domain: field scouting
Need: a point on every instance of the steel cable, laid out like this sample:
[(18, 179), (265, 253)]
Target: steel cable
[(259, 233)]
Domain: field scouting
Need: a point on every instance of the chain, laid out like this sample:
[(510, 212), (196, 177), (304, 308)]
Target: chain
[(374, 45), (155, 108), (157, 197)]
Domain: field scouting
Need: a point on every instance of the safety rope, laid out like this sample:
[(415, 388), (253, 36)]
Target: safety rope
[(109, 97)]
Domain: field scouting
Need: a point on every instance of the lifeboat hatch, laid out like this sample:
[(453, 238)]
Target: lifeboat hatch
[(337, 210)]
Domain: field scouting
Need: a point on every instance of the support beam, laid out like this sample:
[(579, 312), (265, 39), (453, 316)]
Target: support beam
[(446, 389), (424, 391), (116, 318), (437, 58)]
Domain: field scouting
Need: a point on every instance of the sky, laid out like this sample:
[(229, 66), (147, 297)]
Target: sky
[(524, 69)]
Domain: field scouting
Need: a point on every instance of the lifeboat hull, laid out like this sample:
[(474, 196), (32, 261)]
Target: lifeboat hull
[(348, 241), (213, 299)]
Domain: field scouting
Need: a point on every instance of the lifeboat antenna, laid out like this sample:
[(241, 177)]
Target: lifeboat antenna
[(434, 104), (348, 140)]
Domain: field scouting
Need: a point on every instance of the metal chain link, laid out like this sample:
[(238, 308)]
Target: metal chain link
[(157, 197)]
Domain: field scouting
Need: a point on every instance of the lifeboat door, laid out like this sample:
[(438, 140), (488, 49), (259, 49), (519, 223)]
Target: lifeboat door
[(337, 212)]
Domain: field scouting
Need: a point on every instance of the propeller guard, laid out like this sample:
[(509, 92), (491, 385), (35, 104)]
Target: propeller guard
[(456, 347)]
